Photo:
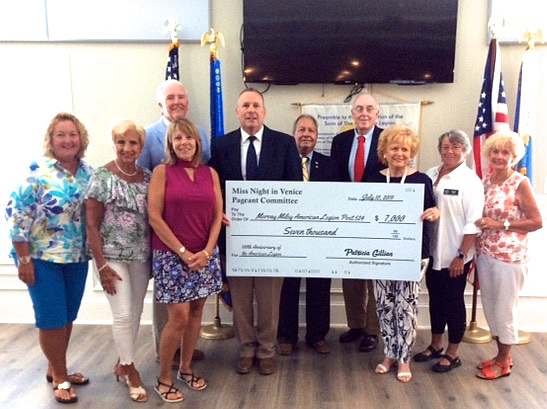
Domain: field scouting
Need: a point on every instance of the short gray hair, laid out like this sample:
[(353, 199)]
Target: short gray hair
[(458, 137), (305, 116), (160, 91)]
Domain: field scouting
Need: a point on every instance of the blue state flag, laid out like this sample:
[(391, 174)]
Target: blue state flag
[(217, 109), (525, 113)]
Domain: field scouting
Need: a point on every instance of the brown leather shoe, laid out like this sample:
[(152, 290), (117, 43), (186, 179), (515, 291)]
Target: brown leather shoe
[(244, 365), (321, 347), (198, 355), (286, 348), (266, 366)]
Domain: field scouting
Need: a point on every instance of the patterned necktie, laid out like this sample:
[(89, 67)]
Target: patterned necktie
[(359, 165), (305, 173), (251, 166)]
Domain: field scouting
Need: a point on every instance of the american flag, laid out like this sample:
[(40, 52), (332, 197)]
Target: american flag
[(172, 70), (492, 113)]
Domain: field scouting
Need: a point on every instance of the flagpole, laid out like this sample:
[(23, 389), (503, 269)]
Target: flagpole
[(474, 334), (217, 330), (525, 117)]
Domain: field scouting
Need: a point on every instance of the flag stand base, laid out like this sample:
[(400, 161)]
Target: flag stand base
[(216, 331), (476, 335), (524, 338)]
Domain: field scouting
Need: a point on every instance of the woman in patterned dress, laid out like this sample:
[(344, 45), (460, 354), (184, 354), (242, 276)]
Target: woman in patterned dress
[(510, 213), (397, 301), (185, 212), (46, 215), (119, 238)]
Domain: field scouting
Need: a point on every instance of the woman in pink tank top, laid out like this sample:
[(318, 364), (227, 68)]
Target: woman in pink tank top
[(185, 213), (510, 213)]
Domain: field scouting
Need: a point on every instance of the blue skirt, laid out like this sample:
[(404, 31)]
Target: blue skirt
[(175, 283)]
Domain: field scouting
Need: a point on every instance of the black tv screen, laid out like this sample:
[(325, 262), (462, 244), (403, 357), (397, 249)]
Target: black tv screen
[(349, 42)]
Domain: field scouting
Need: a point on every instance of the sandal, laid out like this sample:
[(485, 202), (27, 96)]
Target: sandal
[(382, 368), (490, 362), (488, 374), (404, 376), (164, 395), (75, 378), (64, 386), (191, 383), (137, 393), (433, 354), (454, 363)]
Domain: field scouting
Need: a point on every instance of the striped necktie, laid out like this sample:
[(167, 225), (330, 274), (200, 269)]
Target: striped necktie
[(305, 173)]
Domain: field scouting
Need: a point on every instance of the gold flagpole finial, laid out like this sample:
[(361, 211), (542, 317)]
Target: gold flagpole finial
[(171, 27), (212, 37), (531, 35)]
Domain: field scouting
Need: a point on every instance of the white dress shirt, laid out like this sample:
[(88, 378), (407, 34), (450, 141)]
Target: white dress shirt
[(245, 147)]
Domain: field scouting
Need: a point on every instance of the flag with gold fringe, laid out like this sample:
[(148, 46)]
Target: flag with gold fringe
[(172, 70)]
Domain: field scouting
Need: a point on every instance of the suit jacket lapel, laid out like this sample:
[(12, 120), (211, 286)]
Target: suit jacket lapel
[(235, 150), (266, 150)]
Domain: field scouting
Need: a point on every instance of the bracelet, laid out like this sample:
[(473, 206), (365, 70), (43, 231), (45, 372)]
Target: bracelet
[(102, 267), (206, 254)]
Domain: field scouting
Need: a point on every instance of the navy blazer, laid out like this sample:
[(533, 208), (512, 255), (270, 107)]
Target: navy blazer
[(279, 158), (320, 170), (340, 152)]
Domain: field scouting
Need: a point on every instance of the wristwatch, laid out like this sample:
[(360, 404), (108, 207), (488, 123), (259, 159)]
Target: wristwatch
[(506, 224), (24, 259), (182, 250), (461, 254)]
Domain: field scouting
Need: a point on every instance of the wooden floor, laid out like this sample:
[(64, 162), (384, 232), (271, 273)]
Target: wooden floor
[(342, 379)]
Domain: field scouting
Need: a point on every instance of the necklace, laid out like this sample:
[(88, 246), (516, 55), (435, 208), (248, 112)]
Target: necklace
[(126, 174), (388, 177)]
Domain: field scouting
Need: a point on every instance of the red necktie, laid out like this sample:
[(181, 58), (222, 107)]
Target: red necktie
[(359, 165)]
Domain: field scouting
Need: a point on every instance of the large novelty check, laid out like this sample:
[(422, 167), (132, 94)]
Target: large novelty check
[(324, 229)]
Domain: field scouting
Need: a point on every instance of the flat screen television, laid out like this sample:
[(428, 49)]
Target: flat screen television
[(349, 42)]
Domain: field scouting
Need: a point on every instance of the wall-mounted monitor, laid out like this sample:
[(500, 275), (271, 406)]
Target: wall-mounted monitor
[(349, 42)]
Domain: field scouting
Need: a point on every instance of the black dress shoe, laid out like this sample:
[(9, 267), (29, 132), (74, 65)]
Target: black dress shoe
[(368, 343), (352, 335)]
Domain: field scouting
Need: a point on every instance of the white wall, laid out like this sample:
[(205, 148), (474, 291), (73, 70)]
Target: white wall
[(111, 80)]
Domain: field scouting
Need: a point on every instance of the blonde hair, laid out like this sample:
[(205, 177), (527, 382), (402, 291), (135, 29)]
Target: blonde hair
[(505, 139), (397, 133), (121, 126), (188, 128), (65, 116)]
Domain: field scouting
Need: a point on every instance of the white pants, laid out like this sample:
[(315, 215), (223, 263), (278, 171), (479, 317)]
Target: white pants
[(500, 283), (127, 305)]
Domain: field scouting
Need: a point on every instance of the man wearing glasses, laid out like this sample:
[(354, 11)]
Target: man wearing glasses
[(354, 159)]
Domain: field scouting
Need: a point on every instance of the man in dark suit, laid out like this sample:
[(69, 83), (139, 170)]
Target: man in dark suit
[(255, 152), (315, 167), (354, 157)]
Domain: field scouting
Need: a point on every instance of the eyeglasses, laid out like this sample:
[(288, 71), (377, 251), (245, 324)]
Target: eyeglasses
[(360, 109)]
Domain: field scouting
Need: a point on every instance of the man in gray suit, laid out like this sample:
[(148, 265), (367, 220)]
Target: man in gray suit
[(173, 102)]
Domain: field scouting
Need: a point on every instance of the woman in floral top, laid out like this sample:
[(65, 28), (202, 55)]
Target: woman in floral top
[(510, 213), (119, 237), (46, 216)]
